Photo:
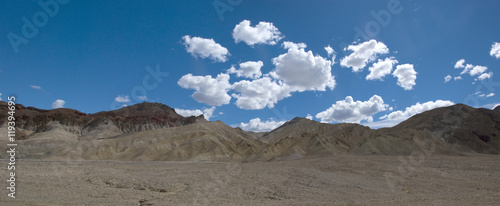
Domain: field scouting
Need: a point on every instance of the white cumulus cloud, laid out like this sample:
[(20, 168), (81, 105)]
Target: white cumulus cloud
[(460, 64), (122, 99), (208, 90), (259, 93), (302, 70), (477, 70), (418, 108), (249, 69), (406, 76), (472, 70), (207, 113), (329, 50), (256, 125), (205, 48), (381, 68), (485, 76), (262, 33), (362, 54), (309, 116), (352, 111), (495, 50), (58, 104)]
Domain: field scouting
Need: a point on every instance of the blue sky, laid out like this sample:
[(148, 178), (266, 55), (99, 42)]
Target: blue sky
[(100, 55)]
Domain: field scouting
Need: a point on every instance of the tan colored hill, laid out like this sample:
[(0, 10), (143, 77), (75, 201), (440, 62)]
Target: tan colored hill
[(153, 131), (302, 137)]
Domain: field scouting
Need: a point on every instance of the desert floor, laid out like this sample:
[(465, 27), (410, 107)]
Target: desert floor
[(332, 180)]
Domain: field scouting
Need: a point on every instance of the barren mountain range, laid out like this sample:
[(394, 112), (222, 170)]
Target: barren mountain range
[(153, 131)]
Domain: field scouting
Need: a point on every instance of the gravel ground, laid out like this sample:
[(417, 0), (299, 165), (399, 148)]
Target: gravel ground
[(332, 180)]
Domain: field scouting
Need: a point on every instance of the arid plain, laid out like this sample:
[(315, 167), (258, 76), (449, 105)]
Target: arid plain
[(329, 180)]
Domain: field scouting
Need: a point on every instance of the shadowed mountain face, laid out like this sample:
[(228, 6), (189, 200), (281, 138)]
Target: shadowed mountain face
[(146, 116), (153, 131), (455, 129)]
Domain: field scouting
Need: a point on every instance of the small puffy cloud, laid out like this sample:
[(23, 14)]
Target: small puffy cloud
[(460, 64), (309, 116), (302, 70), (485, 76), (495, 50), (467, 68), (381, 68), (58, 104), (477, 70), (473, 70), (262, 33), (250, 69), (256, 125), (352, 111), (35, 87), (331, 53), (122, 99), (205, 48), (447, 78), (406, 76), (457, 78), (416, 109), (207, 113), (0, 96), (490, 94), (259, 93), (208, 90), (362, 54), (329, 50)]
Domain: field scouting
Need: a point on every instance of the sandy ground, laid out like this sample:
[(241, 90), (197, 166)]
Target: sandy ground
[(332, 180)]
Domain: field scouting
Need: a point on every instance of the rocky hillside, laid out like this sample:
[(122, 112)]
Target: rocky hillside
[(153, 131), (302, 137), (449, 130), (145, 116)]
